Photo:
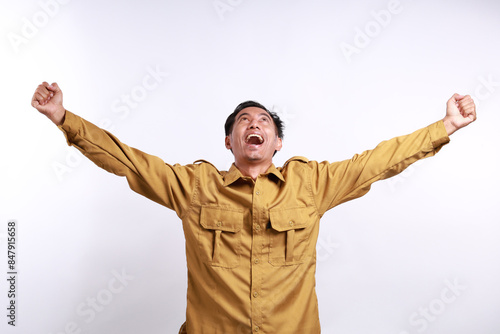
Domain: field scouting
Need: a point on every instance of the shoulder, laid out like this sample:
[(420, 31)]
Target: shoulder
[(298, 163), (296, 159), (206, 166)]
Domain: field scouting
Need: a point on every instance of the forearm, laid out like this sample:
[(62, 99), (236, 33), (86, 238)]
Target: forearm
[(146, 174), (353, 178), (97, 144)]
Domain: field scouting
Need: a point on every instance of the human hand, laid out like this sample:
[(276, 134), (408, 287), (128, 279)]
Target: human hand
[(47, 99), (460, 112)]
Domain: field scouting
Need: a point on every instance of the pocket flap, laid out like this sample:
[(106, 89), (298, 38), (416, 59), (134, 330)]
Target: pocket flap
[(221, 219), (288, 219)]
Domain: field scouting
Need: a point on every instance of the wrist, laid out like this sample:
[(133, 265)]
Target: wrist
[(58, 117), (448, 125)]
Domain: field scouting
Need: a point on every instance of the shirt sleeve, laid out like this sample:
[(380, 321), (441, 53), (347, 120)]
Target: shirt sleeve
[(339, 182), (148, 175)]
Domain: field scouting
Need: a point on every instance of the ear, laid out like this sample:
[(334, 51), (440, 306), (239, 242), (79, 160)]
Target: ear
[(227, 141), (279, 144)]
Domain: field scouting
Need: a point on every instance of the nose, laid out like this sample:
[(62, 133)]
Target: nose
[(253, 124)]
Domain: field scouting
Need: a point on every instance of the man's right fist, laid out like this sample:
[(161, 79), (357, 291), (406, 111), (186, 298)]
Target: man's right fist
[(47, 99)]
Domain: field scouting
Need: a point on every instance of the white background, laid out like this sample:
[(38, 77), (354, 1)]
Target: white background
[(383, 260)]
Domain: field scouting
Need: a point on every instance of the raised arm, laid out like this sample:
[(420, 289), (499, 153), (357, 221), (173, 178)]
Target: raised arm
[(148, 175), (353, 178)]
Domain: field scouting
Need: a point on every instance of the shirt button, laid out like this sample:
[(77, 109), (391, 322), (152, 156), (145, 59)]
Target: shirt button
[(256, 261), (257, 192), (219, 224), (256, 329), (257, 227), (291, 223), (256, 294)]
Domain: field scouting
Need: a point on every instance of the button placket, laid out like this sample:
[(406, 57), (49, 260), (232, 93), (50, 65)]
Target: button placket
[(258, 217)]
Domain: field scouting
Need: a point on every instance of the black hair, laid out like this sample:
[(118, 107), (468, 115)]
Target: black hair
[(228, 127)]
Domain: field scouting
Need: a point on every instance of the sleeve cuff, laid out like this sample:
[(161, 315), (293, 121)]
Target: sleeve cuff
[(70, 126), (438, 134)]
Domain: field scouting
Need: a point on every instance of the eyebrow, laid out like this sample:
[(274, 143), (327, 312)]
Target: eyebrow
[(261, 114)]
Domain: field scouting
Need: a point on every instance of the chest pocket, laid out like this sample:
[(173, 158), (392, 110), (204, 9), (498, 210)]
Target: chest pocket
[(289, 236), (220, 236)]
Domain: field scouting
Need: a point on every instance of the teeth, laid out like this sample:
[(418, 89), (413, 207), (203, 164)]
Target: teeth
[(256, 136)]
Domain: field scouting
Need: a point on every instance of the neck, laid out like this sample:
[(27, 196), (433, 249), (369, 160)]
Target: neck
[(252, 170)]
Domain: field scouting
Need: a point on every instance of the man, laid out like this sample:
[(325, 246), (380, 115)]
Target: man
[(251, 231)]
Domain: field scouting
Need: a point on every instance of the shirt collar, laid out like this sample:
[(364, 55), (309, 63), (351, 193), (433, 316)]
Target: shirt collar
[(234, 174)]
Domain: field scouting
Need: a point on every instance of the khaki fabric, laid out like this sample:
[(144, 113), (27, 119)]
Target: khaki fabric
[(251, 244)]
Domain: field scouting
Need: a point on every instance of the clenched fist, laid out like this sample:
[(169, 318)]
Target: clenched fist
[(47, 99), (460, 112)]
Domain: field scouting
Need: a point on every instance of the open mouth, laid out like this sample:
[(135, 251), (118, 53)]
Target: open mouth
[(254, 139)]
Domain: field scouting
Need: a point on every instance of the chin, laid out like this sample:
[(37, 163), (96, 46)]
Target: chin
[(255, 157)]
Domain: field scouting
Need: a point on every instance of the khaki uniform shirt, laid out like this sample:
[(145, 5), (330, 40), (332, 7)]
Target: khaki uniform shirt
[(251, 244)]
